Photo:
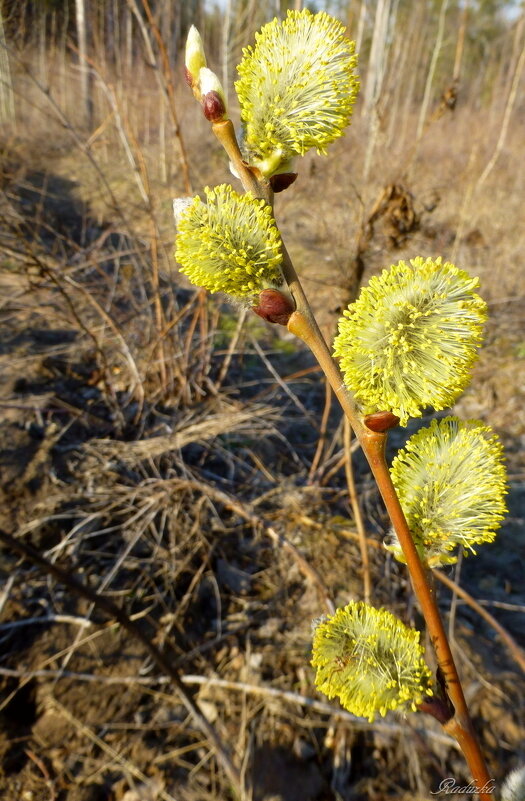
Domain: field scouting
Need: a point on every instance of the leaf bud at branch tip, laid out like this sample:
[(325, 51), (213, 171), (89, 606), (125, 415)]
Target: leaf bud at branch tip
[(194, 61), (213, 107), (274, 306)]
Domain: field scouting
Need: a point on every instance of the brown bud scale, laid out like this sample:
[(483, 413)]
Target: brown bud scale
[(213, 106), (381, 421), (282, 180), (274, 306)]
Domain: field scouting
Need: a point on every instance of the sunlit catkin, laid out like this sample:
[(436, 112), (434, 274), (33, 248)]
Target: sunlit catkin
[(229, 243), (451, 482), (370, 660), (410, 339), (297, 87)]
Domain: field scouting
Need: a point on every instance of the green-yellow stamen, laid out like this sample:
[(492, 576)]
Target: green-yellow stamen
[(370, 660), (229, 244), (410, 339), (296, 88)]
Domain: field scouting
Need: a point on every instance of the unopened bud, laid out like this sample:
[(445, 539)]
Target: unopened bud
[(195, 60), (282, 180), (274, 306), (381, 421), (213, 97)]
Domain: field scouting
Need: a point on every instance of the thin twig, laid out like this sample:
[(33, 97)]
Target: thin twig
[(45, 621), (282, 384), (324, 708), (356, 511), (225, 366), (322, 431)]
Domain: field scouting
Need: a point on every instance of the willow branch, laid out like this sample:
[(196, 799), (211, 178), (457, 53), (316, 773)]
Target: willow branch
[(303, 324), (373, 445)]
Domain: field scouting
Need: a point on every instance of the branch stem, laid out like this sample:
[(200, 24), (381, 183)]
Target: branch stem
[(460, 725), (303, 324), (373, 445), (225, 133)]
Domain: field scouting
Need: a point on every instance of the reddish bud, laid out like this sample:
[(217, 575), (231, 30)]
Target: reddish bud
[(213, 106), (282, 180), (381, 421), (274, 306), (438, 708)]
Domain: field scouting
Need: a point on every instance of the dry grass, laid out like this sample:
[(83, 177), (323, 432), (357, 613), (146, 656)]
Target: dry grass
[(147, 447)]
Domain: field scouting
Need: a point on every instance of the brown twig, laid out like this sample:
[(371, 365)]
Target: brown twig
[(41, 765), (321, 442), (225, 133), (356, 511), (460, 725), (234, 340), (373, 444), (188, 344)]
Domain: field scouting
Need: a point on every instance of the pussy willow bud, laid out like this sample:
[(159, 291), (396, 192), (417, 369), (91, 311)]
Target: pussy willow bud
[(213, 97), (274, 306), (451, 482), (282, 180), (370, 660), (229, 243), (410, 339), (381, 421), (297, 88), (195, 60)]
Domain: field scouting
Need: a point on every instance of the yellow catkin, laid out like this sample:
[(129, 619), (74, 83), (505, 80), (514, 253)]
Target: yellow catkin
[(451, 482), (410, 339), (229, 243), (370, 660), (297, 87)]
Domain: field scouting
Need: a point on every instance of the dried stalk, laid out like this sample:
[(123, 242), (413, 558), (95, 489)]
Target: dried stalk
[(356, 511)]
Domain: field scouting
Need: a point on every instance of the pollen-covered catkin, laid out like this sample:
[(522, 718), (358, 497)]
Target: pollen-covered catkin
[(297, 87), (410, 339), (451, 482), (370, 660), (229, 243)]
